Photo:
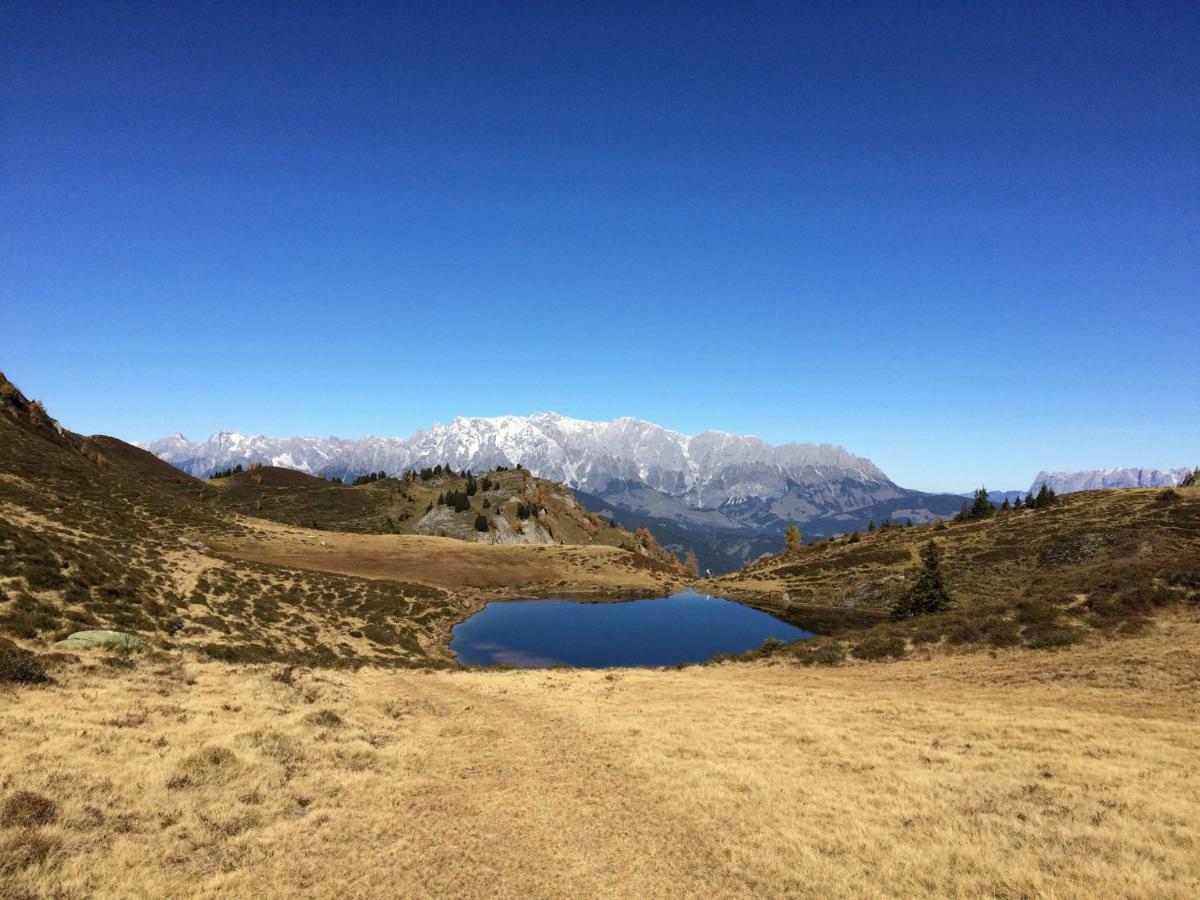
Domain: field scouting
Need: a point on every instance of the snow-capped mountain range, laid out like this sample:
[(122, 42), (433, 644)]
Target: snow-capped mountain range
[(1096, 479), (706, 471)]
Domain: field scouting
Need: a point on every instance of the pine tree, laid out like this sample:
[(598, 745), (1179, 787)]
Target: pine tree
[(1045, 496), (481, 522), (791, 539), (871, 525), (1006, 505), (928, 594), (1017, 502), (691, 565), (982, 507)]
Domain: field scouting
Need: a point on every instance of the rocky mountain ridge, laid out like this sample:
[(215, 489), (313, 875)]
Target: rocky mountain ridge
[(1097, 479)]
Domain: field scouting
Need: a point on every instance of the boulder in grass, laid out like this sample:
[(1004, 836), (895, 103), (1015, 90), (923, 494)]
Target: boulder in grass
[(86, 640)]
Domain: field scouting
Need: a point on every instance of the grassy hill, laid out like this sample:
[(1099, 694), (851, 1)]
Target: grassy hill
[(517, 507), (1094, 561), (95, 533)]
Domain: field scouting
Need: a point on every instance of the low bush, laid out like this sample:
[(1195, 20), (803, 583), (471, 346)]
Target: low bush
[(25, 809), (1001, 632), (19, 666), (208, 764), (879, 647), (324, 718), (27, 848), (1050, 635), (965, 631), (828, 654), (1037, 611)]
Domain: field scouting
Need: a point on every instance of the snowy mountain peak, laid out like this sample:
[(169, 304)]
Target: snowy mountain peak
[(705, 470), (1096, 479)]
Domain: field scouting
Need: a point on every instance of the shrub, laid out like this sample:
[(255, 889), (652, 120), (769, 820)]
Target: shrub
[(20, 666), (25, 849), (208, 764), (1001, 632), (324, 718), (770, 646), (43, 576), (965, 631), (877, 647), (25, 809), (1048, 635), (930, 633), (1036, 612), (828, 654)]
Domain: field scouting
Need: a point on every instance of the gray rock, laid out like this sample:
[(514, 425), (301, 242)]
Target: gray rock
[(86, 640)]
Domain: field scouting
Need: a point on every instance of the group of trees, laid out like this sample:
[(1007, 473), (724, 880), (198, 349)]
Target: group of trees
[(369, 478), (981, 507), (456, 500), (225, 473)]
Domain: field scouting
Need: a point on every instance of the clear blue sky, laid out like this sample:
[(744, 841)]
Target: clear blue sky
[(962, 239)]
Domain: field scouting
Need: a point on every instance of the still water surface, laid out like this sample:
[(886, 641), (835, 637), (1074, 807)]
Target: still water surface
[(683, 628)]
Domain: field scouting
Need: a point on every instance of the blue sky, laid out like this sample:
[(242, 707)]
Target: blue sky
[(960, 239)]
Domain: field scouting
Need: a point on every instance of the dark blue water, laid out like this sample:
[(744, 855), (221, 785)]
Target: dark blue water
[(684, 628)]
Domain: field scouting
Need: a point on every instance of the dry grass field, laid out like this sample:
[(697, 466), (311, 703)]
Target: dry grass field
[(1016, 774), (501, 569)]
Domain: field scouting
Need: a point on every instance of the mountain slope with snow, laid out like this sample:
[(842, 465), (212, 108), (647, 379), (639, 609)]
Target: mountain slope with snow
[(731, 494), (707, 470), (1097, 479)]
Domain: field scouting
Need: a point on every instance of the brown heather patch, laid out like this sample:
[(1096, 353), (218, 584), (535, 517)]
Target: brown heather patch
[(25, 809)]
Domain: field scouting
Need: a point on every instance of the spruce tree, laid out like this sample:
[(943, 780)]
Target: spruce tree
[(928, 594), (982, 507)]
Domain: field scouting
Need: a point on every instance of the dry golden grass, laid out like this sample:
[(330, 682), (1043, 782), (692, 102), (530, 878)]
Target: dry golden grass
[(501, 569), (1020, 774)]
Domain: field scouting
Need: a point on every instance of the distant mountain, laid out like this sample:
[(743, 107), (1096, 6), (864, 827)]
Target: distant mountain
[(726, 496), (1096, 479)]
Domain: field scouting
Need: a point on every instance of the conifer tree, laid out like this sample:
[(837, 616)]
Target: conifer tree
[(871, 525), (791, 539), (928, 594), (691, 565), (982, 507), (1006, 505)]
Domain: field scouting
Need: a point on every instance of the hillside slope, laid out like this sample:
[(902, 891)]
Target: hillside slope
[(1097, 560), (516, 507), (95, 533)]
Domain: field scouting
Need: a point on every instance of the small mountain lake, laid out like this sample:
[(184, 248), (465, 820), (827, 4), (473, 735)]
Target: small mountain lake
[(682, 628)]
